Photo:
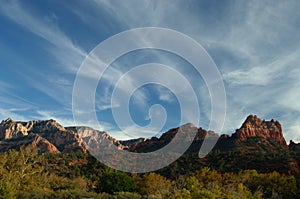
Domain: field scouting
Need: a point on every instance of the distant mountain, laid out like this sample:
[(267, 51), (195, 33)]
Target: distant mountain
[(254, 134), (257, 144), (46, 135), (294, 147), (149, 145), (254, 126), (131, 142)]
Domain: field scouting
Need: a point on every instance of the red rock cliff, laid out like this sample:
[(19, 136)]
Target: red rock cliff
[(254, 126)]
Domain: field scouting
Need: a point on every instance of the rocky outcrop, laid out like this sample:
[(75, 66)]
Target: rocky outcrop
[(95, 140), (128, 143), (13, 129), (43, 145), (254, 135), (155, 143), (294, 146), (42, 126), (34, 140), (10, 129), (257, 144), (255, 127), (51, 136)]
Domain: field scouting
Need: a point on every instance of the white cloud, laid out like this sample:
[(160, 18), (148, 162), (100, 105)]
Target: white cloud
[(293, 132), (5, 113), (132, 132), (45, 115), (255, 44), (164, 94), (68, 55), (264, 74), (36, 25), (103, 107), (261, 77), (69, 121), (254, 76)]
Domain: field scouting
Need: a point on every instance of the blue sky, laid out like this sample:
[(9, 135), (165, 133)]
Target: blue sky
[(255, 45)]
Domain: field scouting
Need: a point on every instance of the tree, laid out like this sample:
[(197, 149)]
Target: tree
[(111, 181), (274, 184), (20, 170), (153, 184)]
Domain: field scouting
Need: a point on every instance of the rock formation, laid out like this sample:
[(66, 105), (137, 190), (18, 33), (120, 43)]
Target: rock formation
[(294, 146), (155, 143), (257, 144), (47, 135), (10, 129), (255, 127)]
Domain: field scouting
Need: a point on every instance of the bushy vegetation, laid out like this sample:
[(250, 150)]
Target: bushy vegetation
[(27, 174)]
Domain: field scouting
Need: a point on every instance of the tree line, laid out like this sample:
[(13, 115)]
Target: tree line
[(27, 174)]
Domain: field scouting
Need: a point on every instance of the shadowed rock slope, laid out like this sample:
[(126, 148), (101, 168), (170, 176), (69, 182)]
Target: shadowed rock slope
[(46, 135), (257, 144)]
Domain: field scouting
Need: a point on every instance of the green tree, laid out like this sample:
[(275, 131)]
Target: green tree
[(111, 181), (274, 184), (19, 170), (154, 184)]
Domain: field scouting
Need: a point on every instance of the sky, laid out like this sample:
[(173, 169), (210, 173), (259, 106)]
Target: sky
[(254, 44)]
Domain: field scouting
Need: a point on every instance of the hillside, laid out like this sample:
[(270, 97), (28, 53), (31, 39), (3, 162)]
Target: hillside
[(257, 144), (254, 162)]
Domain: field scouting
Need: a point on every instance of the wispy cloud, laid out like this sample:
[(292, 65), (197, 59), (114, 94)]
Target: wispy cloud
[(103, 107), (5, 113), (42, 114), (293, 132), (164, 94), (42, 28), (68, 55), (132, 132), (264, 74), (4, 86), (255, 45)]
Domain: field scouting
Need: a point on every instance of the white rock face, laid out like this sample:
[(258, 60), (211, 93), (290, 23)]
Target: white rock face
[(97, 140), (63, 140), (13, 129), (10, 129)]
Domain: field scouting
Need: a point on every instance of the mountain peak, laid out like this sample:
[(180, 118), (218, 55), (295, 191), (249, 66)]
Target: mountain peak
[(50, 135), (11, 129), (294, 146), (44, 126), (8, 120), (252, 119), (189, 125), (254, 126)]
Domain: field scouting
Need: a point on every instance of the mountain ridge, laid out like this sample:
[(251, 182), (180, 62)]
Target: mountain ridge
[(66, 139)]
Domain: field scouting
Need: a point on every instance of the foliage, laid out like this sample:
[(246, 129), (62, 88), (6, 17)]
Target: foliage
[(27, 174), (112, 181), (153, 184), (274, 184)]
